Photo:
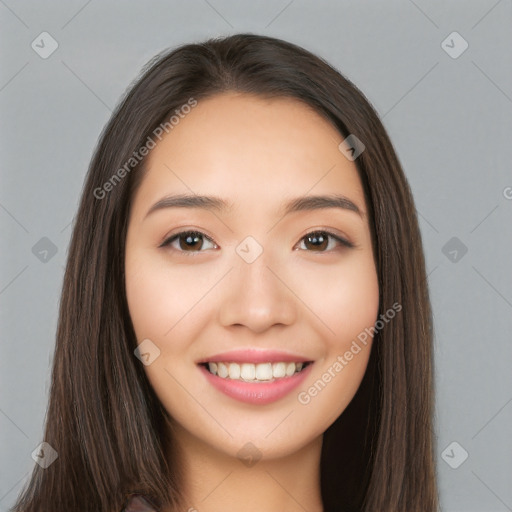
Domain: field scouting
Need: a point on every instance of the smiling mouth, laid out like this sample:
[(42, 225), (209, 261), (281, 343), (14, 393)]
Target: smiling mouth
[(250, 372)]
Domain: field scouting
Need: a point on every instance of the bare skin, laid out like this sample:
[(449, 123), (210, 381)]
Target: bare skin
[(307, 297)]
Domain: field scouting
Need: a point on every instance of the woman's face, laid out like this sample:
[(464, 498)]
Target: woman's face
[(260, 284)]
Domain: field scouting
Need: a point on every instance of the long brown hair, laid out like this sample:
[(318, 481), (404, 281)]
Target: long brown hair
[(105, 420)]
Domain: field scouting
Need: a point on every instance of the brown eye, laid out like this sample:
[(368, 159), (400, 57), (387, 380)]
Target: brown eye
[(188, 241), (317, 241), (320, 241)]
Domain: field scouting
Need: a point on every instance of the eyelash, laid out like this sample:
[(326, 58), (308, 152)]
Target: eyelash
[(172, 238)]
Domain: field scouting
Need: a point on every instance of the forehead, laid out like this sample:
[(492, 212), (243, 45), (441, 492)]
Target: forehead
[(250, 150)]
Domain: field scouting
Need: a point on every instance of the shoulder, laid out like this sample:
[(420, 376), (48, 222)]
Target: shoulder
[(139, 503)]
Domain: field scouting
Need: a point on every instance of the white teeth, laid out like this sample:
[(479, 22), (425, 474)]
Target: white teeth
[(222, 370), (279, 370), (290, 369), (234, 371), (248, 371), (254, 372), (264, 371)]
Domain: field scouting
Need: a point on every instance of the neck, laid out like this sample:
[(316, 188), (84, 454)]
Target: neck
[(212, 480)]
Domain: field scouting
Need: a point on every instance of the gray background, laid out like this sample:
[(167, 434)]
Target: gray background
[(450, 121)]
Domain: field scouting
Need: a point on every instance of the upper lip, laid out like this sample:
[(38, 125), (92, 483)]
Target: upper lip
[(255, 356)]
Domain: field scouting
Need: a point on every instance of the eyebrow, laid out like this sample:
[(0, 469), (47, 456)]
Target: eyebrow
[(216, 204)]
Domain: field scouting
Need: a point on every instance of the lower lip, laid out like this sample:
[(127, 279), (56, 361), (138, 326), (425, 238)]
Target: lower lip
[(259, 393)]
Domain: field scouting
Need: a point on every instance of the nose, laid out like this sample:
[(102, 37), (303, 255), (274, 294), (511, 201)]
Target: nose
[(257, 296)]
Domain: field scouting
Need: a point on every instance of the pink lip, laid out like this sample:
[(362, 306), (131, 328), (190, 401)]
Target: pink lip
[(255, 356), (259, 393)]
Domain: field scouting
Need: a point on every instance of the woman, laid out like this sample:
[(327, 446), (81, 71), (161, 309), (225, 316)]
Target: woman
[(245, 319)]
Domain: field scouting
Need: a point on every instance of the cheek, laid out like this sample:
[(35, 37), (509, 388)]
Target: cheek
[(161, 303), (159, 297), (344, 297), (348, 306), (148, 299)]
